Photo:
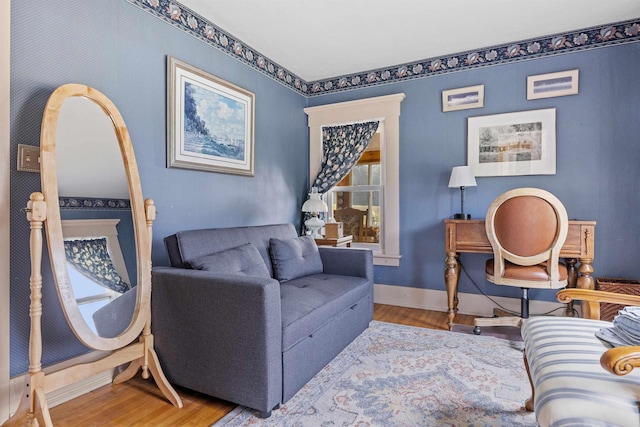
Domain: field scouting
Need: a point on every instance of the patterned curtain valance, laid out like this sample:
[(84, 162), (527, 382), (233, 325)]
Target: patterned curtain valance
[(342, 147), (91, 258)]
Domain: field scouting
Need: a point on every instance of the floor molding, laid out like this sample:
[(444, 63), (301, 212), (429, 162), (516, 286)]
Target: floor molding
[(472, 304)]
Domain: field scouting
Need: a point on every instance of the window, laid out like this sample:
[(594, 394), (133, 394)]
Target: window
[(357, 200), (381, 199)]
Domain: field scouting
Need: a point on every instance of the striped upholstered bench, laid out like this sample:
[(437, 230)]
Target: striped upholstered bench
[(570, 387)]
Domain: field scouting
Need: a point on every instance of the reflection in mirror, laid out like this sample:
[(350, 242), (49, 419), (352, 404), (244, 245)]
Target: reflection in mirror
[(96, 217), (88, 158), (98, 274)]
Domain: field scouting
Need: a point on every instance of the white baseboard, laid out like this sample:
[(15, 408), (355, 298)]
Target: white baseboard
[(64, 394), (471, 304)]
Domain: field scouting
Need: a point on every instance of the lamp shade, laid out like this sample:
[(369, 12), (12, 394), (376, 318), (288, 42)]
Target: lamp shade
[(314, 203), (462, 176)]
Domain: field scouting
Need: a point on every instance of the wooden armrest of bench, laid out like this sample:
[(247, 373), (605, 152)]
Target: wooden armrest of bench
[(593, 299), (618, 360), (621, 360)]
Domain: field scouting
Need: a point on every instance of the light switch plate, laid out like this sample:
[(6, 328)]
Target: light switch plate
[(28, 158)]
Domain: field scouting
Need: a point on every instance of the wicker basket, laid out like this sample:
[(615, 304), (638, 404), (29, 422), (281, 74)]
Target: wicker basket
[(620, 286)]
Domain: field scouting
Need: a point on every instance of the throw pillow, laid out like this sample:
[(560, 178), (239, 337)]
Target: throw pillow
[(243, 260), (295, 258)]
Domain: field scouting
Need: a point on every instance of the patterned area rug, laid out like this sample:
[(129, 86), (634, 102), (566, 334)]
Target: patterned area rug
[(395, 375)]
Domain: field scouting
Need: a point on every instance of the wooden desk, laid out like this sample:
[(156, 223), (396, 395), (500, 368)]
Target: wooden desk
[(471, 236), (338, 242)]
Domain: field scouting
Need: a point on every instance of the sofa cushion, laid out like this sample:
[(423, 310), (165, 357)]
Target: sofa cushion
[(307, 303), (571, 388), (189, 245), (294, 258), (243, 260)]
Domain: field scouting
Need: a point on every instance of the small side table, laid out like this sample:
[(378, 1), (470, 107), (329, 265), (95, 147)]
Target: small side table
[(339, 242)]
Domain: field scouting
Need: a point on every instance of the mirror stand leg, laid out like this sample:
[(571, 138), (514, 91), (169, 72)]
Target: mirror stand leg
[(150, 364), (41, 408), (128, 373), (33, 409), (161, 381)]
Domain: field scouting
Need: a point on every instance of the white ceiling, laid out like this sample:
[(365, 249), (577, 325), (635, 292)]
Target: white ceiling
[(320, 39)]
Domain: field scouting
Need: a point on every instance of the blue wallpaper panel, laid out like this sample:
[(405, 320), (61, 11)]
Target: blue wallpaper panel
[(597, 161), (121, 50)]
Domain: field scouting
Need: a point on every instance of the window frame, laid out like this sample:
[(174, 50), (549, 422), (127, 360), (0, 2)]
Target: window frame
[(386, 109)]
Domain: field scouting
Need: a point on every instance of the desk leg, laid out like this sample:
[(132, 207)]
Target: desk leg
[(586, 281), (572, 282), (451, 276)]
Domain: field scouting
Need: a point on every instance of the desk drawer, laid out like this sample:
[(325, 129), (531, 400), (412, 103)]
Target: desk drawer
[(467, 236)]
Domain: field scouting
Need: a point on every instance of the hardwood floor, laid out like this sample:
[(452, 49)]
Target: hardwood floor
[(138, 402)]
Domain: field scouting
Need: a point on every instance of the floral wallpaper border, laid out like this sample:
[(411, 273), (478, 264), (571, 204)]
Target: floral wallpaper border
[(189, 21), (93, 203)]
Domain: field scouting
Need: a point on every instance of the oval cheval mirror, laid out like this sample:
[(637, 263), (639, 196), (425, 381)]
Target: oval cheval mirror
[(102, 304), (86, 154)]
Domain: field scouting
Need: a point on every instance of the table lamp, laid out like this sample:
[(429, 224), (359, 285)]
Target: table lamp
[(462, 176), (314, 205)]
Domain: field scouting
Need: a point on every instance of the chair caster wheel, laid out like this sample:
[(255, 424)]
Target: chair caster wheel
[(476, 330)]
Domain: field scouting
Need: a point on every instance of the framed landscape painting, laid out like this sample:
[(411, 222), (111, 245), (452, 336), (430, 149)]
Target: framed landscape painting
[(463, 98), (521, 143), (551, 85), (210, 122)]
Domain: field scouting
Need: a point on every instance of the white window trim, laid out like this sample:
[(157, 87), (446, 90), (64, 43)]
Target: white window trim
[(383, 108)]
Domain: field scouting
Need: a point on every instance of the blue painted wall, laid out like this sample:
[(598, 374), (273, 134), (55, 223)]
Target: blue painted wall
[(597, 161), (121, 50)]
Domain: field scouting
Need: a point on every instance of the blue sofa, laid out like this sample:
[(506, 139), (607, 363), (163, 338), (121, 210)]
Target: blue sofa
[(251, 314)]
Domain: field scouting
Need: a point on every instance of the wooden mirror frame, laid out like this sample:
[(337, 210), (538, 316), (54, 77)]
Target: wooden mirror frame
[(44, 208), (53, 225)]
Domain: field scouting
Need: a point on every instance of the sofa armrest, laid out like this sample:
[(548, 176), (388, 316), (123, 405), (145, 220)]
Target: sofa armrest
[(347, 261), (593, 298), (219, 334), (113, 318)]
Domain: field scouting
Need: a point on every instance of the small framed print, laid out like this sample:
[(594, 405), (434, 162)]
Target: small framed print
[(463, 98), (550, 85)]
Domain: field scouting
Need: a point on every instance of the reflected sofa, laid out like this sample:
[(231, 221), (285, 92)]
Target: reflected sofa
[(251, 314)]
